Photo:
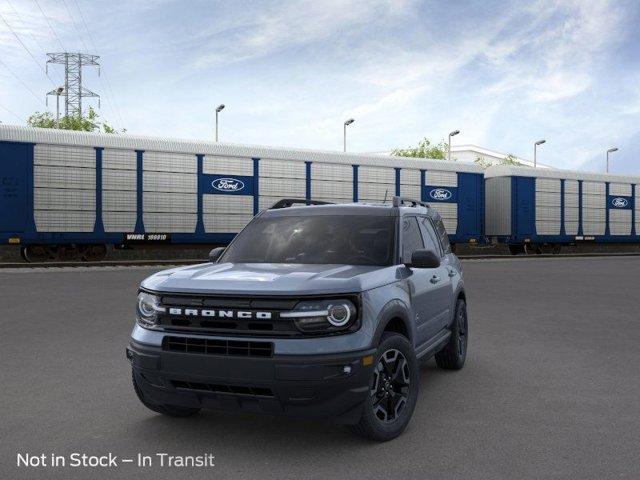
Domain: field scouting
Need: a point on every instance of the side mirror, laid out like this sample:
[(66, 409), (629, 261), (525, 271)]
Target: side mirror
[(215, 254), (424, 259)]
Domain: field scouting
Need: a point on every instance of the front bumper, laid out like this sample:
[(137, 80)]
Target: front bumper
[(311, 386)]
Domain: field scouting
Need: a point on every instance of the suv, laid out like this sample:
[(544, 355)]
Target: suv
[(319, 310)]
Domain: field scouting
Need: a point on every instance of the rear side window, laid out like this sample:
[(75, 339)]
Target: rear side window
[(430, 237), (442, 234), (411, 238)]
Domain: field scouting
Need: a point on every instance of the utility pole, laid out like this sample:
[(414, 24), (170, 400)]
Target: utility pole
[(73, 90)]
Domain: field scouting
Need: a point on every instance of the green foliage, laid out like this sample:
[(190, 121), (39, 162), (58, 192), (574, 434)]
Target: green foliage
[(425, 149), (510, 159), (89, 123)]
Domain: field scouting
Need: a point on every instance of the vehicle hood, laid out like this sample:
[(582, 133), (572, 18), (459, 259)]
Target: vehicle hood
[(270, 279)]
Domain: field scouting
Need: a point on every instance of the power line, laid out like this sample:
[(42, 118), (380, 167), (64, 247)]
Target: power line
[(12, 113), (24, 26), (106, 85), (50, 26), (21, 81), (27, 49), (75, 27)]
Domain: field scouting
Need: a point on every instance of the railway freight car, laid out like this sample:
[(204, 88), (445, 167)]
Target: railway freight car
[(536, 210), (70, 194)]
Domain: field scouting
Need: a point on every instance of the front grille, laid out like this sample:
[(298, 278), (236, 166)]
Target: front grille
[(273, 327), (208, 346), (218, 388)]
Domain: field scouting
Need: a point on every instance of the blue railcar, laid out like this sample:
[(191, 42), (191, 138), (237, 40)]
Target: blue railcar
[(534, 210), (72, 193)]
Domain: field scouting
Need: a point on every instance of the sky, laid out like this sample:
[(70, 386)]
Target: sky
[(504, 73)]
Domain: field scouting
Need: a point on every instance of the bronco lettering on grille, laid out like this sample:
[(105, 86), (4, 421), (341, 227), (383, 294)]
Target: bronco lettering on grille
[(240, 314)]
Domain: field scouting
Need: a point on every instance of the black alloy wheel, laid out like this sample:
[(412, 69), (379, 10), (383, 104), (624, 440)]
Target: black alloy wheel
[(391, 384)]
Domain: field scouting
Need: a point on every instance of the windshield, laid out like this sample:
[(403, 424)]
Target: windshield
[(317, 239)]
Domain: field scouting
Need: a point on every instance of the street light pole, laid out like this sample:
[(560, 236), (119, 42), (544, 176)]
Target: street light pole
[(59, 90), (218, 110), (611, 150), (535, 152), (452, 134), (344, 133)]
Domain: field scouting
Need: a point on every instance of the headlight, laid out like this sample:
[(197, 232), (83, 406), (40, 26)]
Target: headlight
[(323, 316), (148, 309)]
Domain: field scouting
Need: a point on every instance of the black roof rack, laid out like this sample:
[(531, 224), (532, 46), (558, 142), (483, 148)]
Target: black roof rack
[(410, 202), (290, 202)]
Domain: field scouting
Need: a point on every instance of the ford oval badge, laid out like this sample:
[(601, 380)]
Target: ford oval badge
[(619, 202), (228, 184), (440, 194)]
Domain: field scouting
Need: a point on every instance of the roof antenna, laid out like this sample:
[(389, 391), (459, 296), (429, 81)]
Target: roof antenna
[(385, 196)]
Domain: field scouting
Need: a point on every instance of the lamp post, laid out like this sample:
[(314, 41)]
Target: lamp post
[(218, 110), (344, 133), (611, 150), (452, 134), (535, 152), (58, 91)]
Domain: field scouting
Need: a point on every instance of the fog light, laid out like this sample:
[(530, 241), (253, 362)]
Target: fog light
[(346, 369)]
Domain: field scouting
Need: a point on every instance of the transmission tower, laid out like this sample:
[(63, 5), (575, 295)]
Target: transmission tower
[(73, 91)]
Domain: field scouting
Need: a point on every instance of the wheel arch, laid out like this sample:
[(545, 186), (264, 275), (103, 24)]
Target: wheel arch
[(394, 317)]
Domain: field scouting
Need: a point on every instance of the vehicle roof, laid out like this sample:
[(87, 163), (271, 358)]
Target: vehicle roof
[(364, 209)]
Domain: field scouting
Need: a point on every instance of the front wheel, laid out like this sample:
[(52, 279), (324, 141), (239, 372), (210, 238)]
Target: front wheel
[(393, 390), (454, 354)]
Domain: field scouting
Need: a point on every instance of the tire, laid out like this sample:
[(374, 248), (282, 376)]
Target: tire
[(454, 354), (169, 410), (390, 404), (516, 249)]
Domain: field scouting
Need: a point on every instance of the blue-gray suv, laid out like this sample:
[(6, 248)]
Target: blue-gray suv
[(314, 310)]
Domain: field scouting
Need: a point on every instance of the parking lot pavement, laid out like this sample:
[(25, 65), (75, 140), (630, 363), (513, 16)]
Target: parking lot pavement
[(550, 389)]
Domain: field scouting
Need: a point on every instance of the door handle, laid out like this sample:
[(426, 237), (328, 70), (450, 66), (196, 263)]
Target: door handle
[(435, 279), (452, 272)]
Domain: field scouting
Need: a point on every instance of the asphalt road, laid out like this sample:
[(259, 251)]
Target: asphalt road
[(551, 388)]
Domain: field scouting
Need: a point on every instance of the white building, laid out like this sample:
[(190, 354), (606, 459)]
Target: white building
[(469, 154)]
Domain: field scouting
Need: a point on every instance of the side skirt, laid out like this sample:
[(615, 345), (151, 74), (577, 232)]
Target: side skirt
[(432, 346)]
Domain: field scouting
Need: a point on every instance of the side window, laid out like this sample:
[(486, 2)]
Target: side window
[(411, 238), (430, 238), (442, 234)]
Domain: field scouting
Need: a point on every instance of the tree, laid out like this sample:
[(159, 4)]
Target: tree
[(89, 123), (510, 159), (425, 149)]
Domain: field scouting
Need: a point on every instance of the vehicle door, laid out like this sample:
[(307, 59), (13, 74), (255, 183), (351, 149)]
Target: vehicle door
[(443, 286), (422, 287)]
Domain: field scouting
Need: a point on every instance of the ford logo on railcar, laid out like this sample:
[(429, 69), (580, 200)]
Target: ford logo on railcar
[(228, 184), (440, 194), (619, 202)]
